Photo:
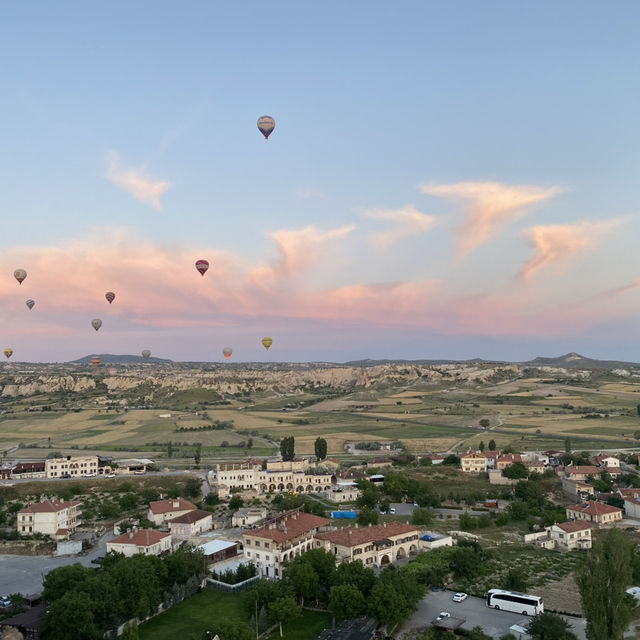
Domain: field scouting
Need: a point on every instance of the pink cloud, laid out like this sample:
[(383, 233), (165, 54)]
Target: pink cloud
[(298, 250), (408, 221), (558, 242), (490, 206), (136, 182)]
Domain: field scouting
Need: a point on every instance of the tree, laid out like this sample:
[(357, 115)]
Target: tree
[(71, 618), (197, 454), (282, 609), (357, 575), (567, 445), (550, 626), (386, 605), (229, 630), (320, 448), (287, 448), (303, 580), (421, 517), (638, 409), (515, 471), (602, 582), (484, 423), (481, 446), (63, 579), (452, 459), (236, 503), (492, 445), (250, 443), (192, 488), (367, 516), (515, 581), (169, 449), (346, 601)]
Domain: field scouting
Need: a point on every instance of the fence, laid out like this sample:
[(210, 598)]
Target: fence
[(231, 588)]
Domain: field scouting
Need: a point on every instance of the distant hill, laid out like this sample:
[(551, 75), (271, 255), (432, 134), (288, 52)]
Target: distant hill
[(108, 358), (576, 361), (567, 361)]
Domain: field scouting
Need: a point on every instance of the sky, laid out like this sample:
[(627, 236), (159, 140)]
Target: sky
[(445, 179)]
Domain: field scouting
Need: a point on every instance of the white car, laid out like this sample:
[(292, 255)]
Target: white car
[(442, 615), (459, 597)]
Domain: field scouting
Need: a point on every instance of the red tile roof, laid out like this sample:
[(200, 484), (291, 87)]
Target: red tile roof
[(49, 506), (353, 536), (166, 506), (594, 508), (141, 538), (575, 525), (191, 516), (588, 470), (289, 526)]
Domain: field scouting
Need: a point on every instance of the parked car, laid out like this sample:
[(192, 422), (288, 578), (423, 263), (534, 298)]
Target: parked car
[(97, 560), (5, 601), (110, 475), (392, 510), (460, 596), (442, 615)]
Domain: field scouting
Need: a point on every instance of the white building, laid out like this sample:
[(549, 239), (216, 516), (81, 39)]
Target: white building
[(53, 518), (281, 539), (247, 516), (566, 536), (74, 467), (277, 477), (162, 510), (190, 524), (145, 541)]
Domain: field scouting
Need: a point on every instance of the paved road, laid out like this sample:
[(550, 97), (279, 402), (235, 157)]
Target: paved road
[(474, 610), (24, 574), (125, 477)]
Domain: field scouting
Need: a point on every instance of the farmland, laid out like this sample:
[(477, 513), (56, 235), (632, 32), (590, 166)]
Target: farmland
[(527, 409)]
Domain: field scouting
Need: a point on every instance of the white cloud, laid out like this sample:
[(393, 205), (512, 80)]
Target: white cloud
[(408, 221), (136, 182)]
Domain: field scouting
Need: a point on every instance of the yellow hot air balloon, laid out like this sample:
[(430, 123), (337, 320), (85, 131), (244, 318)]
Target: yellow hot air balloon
[(267, 342), (95, 361), (8, 352)]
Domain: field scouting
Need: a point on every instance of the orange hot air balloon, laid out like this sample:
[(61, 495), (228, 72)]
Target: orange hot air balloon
[(202, 266), (110, 296), (95, 361), (8, 353), (226, 352), (267, 342), (20, 275)]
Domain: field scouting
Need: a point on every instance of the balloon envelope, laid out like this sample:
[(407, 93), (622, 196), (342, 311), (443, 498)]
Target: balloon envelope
[(110, 296), (20, 275), (95, 361), (227, 351), (266, 125), (30, 304), (146, 353), (267, 342), (96, 324), (202, 266), (8, 352)]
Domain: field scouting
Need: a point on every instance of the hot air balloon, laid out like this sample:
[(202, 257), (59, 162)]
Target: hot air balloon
[(110, 296), (96, 324), (202, 266), (30, 304), (19, 275), (267, 342), (8, 353), (146, 353), (226, 352), (95, 361), (266, 125)]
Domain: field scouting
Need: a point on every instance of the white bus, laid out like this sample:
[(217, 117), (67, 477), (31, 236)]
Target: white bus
[(514, 601)]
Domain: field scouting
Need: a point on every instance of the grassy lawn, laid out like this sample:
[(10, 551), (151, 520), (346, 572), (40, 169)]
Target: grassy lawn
[(191, 618), (306, 628)]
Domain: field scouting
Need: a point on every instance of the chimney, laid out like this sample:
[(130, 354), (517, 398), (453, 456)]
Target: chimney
[(356, 525), (384, 524), (130, 534), (175, 504)]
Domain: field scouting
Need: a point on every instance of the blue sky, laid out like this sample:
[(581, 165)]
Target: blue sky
[(446, 179)]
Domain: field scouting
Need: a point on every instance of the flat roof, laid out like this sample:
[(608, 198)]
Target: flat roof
[(214, 546)]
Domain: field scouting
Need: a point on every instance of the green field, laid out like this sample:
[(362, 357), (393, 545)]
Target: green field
[(191, 618)]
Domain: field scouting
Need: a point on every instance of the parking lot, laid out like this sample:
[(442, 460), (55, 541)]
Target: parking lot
[(475, 613)]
